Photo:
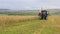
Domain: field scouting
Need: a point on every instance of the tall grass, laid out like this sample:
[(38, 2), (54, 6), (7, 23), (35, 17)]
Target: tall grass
[(10, 19)]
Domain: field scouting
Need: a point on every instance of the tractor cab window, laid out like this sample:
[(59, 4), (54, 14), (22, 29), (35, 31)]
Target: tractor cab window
[(44, 12)]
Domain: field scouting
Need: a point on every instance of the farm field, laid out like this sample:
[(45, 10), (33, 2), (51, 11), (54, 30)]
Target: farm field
[(29, 25)]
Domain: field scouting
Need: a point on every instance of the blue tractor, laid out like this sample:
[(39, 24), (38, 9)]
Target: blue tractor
[(43, 14)]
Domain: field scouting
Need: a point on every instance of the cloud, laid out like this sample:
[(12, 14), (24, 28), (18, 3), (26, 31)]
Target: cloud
[(29, 4)]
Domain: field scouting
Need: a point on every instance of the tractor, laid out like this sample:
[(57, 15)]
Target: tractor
[(43, 14)]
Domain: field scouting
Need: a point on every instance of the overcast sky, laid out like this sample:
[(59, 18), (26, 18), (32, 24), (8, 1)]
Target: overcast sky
[(29, 4)]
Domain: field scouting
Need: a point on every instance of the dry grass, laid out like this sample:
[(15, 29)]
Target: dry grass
[(8, 19)]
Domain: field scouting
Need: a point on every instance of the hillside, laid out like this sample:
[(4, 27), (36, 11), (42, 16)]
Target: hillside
[(29, 12)]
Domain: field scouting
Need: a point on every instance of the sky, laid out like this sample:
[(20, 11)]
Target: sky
[(29, 4)]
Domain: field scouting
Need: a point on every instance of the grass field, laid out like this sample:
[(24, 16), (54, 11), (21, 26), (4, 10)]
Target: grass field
[(29, 25)]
